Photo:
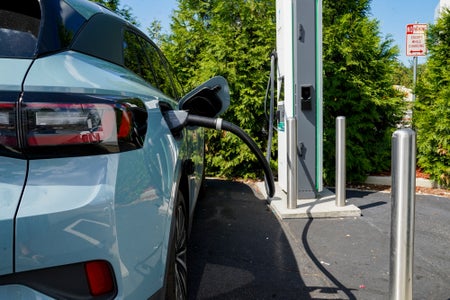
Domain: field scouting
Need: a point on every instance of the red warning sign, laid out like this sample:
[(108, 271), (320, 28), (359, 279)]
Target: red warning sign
[(416, 39)]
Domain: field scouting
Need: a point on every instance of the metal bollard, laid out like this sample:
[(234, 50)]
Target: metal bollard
[(403, 173), (291, 124), (340, 161)]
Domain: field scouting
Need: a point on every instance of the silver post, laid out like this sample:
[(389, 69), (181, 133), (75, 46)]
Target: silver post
[(415, 58), (291, 124), (340, 161), (402, 219)]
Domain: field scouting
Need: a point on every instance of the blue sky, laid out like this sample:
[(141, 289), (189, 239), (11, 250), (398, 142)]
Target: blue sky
[(393, 15)]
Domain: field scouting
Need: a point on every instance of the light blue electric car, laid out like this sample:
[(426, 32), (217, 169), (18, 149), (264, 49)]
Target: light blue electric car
[(98, 182)]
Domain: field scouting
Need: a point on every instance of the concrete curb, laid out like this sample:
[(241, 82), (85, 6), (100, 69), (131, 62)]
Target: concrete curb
[(387, 180)]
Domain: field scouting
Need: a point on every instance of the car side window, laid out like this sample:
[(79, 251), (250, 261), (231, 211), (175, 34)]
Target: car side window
[(136, 60), (161, 71), (176, 83), (144, 59)]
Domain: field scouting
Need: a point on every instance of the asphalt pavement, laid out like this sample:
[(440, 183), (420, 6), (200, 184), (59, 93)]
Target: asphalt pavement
[(239, 249)]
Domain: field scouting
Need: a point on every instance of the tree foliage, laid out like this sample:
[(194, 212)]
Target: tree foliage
[(403, 75), (233, 39), (155, 32), (115, 6), (358, 84), (432, 108)]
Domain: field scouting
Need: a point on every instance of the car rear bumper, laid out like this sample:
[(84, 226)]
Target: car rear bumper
[(21, 292)]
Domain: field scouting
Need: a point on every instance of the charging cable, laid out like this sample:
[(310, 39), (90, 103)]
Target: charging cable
[(178, 119)]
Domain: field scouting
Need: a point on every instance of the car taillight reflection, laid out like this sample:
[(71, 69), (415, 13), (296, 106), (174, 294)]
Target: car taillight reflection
[(50, 124), (8, 136)]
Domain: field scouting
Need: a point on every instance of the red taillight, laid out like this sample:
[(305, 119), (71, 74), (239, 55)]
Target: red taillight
[(45, 125), (51, 124), (100, 277), (125, 125)]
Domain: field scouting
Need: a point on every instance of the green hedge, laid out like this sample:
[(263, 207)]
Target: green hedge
[(431, 116)]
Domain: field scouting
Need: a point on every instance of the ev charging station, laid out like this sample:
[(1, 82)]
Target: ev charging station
[(299, 52), (300, 127)]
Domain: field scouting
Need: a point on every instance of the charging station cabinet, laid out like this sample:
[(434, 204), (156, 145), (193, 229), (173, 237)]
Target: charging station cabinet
[(307, 98), (300, 127), (299, 50)]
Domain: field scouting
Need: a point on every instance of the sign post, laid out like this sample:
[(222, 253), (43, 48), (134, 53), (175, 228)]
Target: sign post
[(416, 46)]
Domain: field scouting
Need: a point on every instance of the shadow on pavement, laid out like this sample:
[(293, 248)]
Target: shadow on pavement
[(339, 286), (238, 249)]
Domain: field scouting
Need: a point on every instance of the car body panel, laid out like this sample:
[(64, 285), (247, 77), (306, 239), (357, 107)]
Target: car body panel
[(13, 72), (21, 292), (12, 179)]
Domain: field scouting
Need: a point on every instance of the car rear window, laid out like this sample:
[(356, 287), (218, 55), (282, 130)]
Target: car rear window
[(19, 28)]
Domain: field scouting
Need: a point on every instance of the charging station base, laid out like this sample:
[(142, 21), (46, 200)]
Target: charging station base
[(322, 207)]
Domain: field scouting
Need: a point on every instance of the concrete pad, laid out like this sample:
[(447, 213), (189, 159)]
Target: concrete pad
[(322, 207)]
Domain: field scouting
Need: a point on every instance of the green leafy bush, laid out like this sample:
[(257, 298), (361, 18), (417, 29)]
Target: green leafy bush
[(432, 108), (358, 84)]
